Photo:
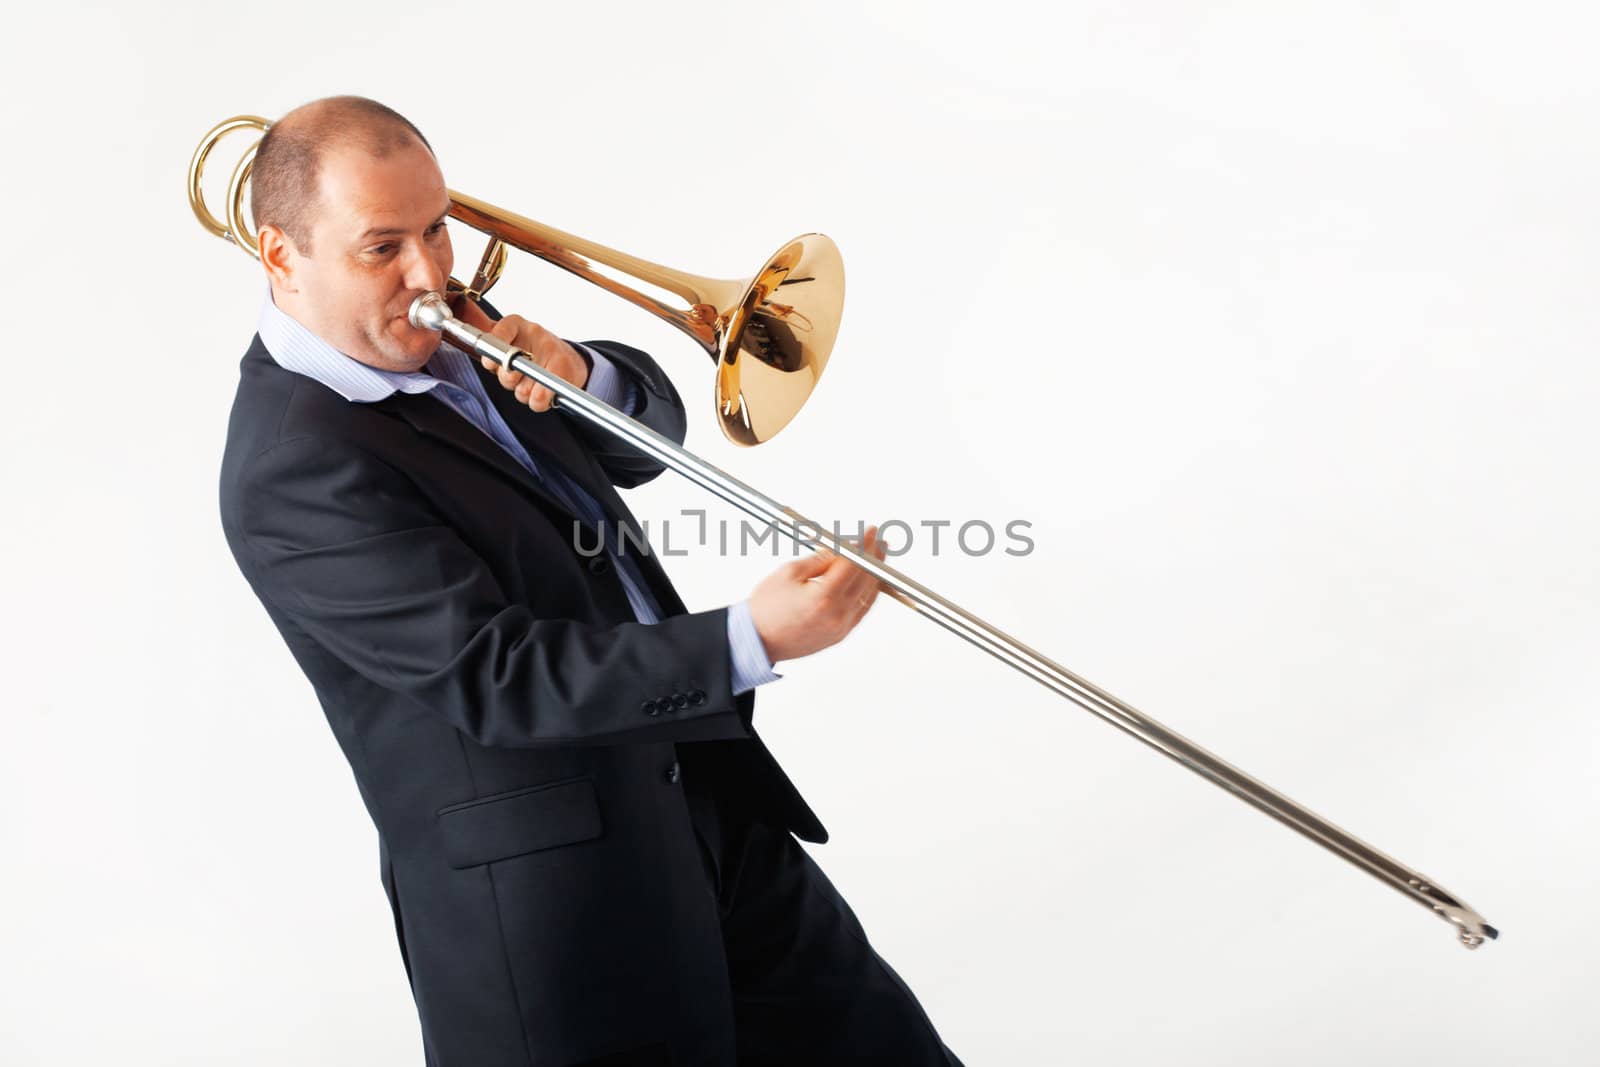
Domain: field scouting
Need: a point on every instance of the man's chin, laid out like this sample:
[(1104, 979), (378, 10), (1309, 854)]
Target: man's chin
[(413, 347)]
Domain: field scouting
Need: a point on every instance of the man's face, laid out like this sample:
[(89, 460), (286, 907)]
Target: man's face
[(378, 239)]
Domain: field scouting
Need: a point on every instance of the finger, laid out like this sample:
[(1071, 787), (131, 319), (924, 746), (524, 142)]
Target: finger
[(872, 585), (862, 596), (541, 398), (508, 329), (806, 567), (860, 582), (841, 580), (842, 595), (845, 571), (863, 605), (512, 378), (524, 390), (497, 367), (852, 610), (847, 574)]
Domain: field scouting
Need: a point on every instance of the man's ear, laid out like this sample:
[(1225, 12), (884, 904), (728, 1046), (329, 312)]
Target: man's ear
[(279, 256)]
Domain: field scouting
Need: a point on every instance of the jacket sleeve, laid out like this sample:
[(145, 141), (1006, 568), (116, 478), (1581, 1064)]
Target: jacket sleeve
[(660, 408), (345, 546)]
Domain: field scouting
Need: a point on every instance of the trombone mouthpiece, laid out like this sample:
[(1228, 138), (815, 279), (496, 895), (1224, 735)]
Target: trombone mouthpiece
[(429, 312)]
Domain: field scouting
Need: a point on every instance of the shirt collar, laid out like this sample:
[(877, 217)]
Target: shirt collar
[(297, 349)]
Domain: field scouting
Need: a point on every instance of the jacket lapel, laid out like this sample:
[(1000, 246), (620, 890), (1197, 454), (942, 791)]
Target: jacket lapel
[(429, 416)]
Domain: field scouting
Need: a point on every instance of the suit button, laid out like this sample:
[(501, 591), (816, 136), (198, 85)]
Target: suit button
[(673, 774), (649, 707), (697, 697), (598, 565), (663, 704), (680, 701)]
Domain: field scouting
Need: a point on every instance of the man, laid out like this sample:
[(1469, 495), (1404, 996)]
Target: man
[(586, 847)]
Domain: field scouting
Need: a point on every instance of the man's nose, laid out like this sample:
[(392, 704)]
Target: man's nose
[(423, 272)]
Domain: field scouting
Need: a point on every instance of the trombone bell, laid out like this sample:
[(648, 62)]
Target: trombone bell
[(769, 337)]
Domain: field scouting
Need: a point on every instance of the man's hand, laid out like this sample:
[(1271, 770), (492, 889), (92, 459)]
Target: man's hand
[(812, 603), (542, 346)]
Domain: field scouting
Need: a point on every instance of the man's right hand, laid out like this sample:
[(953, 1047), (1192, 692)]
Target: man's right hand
[(812, 603)]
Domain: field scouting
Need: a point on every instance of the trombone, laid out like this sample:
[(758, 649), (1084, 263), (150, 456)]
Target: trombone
[(770, 338)]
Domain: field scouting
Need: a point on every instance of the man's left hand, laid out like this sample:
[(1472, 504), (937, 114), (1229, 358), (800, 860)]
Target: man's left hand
[(542, 346)]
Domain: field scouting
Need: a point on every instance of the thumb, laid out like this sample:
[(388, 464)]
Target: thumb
[(808, 566)]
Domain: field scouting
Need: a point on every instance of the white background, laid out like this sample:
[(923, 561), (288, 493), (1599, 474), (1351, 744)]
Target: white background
[(1276, 321)]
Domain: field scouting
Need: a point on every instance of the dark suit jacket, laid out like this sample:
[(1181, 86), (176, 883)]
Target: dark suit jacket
[(515, 734)]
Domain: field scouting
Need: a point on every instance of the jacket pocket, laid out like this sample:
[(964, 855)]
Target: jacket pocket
[(504, 825)]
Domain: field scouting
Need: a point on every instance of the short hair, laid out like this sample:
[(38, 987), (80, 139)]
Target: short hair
[(284, 177)]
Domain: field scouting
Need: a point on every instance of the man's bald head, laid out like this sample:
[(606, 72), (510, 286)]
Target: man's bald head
[(284, 177)]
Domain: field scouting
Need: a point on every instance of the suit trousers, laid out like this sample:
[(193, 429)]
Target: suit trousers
[(807, 987)]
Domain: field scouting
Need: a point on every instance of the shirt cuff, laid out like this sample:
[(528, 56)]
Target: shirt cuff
[(751, 667), (606, 383)]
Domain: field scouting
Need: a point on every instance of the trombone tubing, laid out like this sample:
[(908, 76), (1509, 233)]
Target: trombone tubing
[(430, 311)]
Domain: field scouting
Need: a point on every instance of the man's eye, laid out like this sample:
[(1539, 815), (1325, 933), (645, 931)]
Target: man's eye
[(381, 250), (436, 228)]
